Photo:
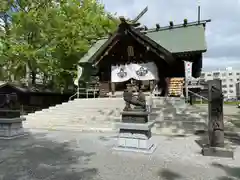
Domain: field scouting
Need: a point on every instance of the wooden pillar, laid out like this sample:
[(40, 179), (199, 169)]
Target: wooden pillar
[(167, 81), (151, 84), (113, 88)]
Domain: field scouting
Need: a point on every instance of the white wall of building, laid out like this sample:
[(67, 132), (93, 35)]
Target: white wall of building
[(229, 79)]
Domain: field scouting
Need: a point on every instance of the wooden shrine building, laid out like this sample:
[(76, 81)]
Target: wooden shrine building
[(166, 47)]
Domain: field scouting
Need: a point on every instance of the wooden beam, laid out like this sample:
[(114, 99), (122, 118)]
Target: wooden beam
[(109, 48), (149, 48), (140, 14)]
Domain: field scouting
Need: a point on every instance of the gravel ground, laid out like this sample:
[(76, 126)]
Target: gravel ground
[(89, 156)]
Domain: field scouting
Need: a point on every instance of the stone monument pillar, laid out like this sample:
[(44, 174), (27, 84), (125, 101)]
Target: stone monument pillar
[(216, 145), (135, 128)]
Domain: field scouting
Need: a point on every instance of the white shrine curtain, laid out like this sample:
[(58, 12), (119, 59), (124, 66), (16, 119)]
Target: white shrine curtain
[(121, 73), (142, 72)]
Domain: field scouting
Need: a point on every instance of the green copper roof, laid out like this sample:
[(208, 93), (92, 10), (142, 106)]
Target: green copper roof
[(176, 40), (183, 39), (92, 50)]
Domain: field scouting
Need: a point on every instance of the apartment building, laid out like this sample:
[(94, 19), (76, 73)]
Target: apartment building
[(230, 79)]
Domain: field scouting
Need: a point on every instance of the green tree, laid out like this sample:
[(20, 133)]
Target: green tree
[(50, 37), (77, 26)]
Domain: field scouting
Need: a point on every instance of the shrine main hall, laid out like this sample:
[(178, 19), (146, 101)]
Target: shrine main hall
[(149, 58)]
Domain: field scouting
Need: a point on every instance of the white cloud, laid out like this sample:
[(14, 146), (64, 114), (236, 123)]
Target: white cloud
[(222, 34)]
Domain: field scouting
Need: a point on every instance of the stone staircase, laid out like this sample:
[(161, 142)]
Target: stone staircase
[(176, 117), (172, 116)]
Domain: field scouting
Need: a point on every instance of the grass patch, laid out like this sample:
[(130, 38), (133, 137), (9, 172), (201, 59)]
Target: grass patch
[(232, 103)]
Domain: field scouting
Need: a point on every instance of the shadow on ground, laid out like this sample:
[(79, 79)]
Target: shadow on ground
[(233, 138), (36, 157), (168, 174), (233, 173), (181, 119)]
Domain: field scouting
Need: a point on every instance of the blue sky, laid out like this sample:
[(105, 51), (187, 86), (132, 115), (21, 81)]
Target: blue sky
[(222, 34)]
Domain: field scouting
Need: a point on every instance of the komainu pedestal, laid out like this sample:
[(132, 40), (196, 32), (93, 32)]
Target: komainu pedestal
[(216, 145), (135, 128)]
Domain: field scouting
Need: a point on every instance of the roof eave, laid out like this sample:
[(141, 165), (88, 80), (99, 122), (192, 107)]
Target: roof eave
[(102, 49), (190, 52)]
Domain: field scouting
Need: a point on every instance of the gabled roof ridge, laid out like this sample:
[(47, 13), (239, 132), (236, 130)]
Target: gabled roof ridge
[(164, 28), (193, 23)]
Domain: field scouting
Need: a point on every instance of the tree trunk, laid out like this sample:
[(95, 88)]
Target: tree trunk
[(33, 78)]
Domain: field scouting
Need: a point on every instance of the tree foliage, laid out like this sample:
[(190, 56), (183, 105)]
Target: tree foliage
[(49, 37)]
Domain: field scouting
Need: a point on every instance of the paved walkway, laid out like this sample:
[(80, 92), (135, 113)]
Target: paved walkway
[(88, 156)]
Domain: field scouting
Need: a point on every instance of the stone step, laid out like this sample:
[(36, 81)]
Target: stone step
[(176, 127), (109, 117), (75, 114), (96, 127), (119, 108), (74, 119), (92, 109), (85, 110), (76, 129), (169, 128), (166, 119), (67, 123)]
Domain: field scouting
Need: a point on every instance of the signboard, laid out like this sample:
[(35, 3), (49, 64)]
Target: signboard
[(188, 70)]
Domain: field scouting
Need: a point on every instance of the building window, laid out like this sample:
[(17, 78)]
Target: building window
[(230, 74), (202, 74), (224, 86), (224, 80), (238, 79), (238, 74), (231, 80), (231, 85), (225, 92), (223, 74), (216, 74), (231, 91), (209, 75)]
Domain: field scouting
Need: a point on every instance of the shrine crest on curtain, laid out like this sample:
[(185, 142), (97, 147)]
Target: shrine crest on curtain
[(142, 72)]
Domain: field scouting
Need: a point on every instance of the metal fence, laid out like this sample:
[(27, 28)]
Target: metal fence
[(93, 92)]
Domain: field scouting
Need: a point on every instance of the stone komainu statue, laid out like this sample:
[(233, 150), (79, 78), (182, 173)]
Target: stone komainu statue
[(138, 101), (9, 101)]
